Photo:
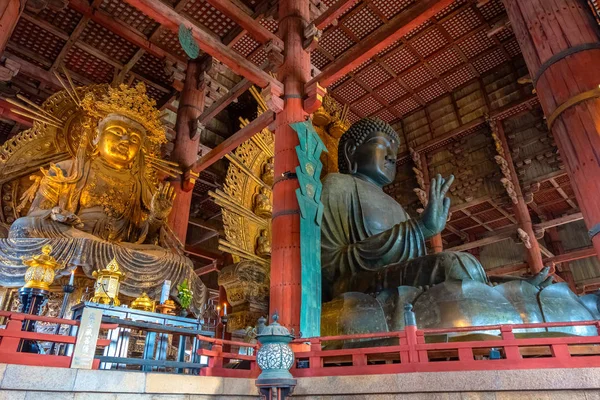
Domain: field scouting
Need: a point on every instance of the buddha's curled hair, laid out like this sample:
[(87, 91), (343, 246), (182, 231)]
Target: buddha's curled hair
[(359, 132)]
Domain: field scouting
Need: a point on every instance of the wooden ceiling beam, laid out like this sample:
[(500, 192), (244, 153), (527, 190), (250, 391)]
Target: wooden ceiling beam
[(229, 144), (6, 113), (203, 253), (119, 28), (249, 24), (224, 101), (473, 124), (333, 13), (168, 17), (572, 255), (387, 34)]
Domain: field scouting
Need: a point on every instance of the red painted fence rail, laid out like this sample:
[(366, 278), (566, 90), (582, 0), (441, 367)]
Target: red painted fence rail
[(413, 354), (12, 335), (218, 359), (402, 351)]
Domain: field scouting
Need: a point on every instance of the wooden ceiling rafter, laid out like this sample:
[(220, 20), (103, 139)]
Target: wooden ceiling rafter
[(402, 77), (246, 22), (169, 18)]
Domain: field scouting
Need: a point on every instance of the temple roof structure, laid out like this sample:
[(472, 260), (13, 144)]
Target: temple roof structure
[(436, 70)]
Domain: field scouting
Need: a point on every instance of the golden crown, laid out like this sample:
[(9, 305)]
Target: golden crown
[(132, 102)]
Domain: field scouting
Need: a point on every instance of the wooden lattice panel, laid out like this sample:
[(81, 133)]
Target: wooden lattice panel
[(462, 23), (350, 92), (335, 41), (445, 61), (492, 9), (131, 16), (417, 77), (246, 45), (429, 42), (151, 66), (37, 40), (271, 24), (107, 42), (367, 106), (391, 91), (400, 60), (318, 59), (65, 20), (475, 44), (83, 63), (362, 22), (208, 16), (170, 41), (391, 8)]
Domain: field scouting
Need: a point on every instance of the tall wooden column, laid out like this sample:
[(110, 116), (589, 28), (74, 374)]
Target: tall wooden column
[(560, 42), (187, 141), (10, 11), (533, 255), (285, 250)]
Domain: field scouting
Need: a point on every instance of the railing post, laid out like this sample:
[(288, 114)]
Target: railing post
[(315, 361), (11, 344), (511, 350), (410, 323)]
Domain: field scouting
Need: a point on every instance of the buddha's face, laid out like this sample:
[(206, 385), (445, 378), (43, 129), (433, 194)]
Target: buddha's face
[(120, 142), (375, 158)]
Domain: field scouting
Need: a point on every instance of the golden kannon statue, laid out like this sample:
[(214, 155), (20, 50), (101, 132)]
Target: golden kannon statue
[(104, 199)]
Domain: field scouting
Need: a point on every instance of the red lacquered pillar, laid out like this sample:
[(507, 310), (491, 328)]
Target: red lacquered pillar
[(285, 251), (187, 141), (560, 42)]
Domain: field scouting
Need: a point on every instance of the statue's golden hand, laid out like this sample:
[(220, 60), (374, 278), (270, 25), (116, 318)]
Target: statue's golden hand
[(162, 201)]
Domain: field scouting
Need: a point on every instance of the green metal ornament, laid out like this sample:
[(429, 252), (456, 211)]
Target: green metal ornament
[(188, 43), (311, 213)]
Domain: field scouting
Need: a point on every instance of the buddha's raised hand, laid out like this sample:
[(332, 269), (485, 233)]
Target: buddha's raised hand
[(433, 219), (162, 201)]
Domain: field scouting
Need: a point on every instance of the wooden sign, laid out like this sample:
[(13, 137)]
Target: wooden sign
[(87, 337)]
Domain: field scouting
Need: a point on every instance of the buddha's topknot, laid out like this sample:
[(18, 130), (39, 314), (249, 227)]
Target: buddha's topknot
[(359, 132)]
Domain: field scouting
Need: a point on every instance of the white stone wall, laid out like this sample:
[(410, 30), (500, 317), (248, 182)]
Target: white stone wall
[(40, 383)]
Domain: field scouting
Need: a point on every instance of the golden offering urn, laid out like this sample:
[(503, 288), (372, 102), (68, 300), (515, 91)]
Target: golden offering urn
[(108, 282), (144, 303)]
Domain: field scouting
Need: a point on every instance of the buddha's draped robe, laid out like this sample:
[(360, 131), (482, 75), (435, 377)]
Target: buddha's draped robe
[(368, 242)]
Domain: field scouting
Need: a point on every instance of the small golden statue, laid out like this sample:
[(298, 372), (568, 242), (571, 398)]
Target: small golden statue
[(262, 204), (107, 286), (98, 197), (263, 244), (40, 273), (268, 175)]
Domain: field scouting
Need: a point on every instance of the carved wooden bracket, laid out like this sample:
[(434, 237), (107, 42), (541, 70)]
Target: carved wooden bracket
[(9, 69), (35, 6), (274, 56), (314, 97), (272, 95), (311, 37)]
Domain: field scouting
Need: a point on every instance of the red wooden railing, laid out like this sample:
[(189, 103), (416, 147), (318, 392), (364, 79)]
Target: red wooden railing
[(404, 351), (12, 335), (217, 359), (413, 354)]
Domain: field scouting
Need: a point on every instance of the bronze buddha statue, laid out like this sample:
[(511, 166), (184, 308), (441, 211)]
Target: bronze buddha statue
[(374, 257)]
